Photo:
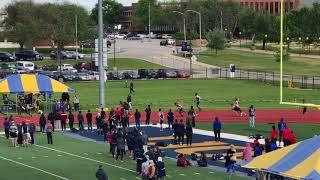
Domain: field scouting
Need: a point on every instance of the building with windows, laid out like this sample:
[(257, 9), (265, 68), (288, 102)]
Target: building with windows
[(269, 6)]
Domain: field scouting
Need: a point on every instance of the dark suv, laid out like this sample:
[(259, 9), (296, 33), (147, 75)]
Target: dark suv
[(4, 56), (29, 55)]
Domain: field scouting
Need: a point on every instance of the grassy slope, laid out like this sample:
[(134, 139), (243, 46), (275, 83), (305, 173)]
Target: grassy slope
[(121, 63), (302, 131), (261, 62), (80, 169), (216, 94)]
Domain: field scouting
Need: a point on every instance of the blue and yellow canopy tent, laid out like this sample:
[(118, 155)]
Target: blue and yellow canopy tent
[(32, 83), (297, 161)]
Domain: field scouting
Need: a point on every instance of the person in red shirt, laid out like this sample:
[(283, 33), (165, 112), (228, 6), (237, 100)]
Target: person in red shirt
[(117, 114), (274, 134), (286, 136), (292, 138)]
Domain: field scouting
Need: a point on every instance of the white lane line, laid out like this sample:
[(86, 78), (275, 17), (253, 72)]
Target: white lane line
[(59, 155), (89, 159), (182, 174), (99, 153), (122, 179), (85, 154), (33, 157), (19, 157), (197, 173), (46, 172)]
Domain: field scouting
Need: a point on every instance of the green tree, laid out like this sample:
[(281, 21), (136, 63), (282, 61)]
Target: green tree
[(20, 24), (216, 40), (111, 11)]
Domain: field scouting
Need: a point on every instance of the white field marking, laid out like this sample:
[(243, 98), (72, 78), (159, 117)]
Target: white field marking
[(59, 155), (89, 159), (138, 177), (197, 173), (46, 156), (211, 172), (85, 154), (33, 157), (19, 157), (122, 179), (46, 172), (99, 153), (182, 174)]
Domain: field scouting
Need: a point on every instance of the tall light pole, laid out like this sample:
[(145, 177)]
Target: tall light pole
[(76, 19), (100, 59), (149, 22), (199, 24), (184, 24), (240, 37)]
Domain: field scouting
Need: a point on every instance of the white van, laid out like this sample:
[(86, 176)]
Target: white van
[(25, 65)]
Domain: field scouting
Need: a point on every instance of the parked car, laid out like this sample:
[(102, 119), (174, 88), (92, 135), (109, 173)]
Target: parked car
[(163, 42), (29, 55), (25, 65), (185, 46), (152, 73), (7, 57), (115, 75), (51, 74), (69, 76), (158, 36), (83, 66), (171, 42), (167, 73), (95, 75), (84, 76), (135, 37), (64, 55), (66, 67), (74, 54), (131, 75), (143, 73), (182, 74), (120, 36), (166, 36), (142, 35)]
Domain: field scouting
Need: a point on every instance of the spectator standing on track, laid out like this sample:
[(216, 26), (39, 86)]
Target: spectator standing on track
[(20, 136), (180, 132), (42, 122), (148, 114), (51, 119), (170, 117), (286, 136), (175, 129), (137, 116), (192, 114), (89, 120), (131, 87), (189, 133), (112, 141), (49, 130), (101, 174), (161, 117), (120, 144), (103, 114), (63, 118), (25, 134), (217, 128), (71, 120), (6, 125), (80, 121), (274, 134), (281, 127), (13, 132), (32, 131), (252, 116), (99, 123), (197, 101), (117, 114), (76, 103)]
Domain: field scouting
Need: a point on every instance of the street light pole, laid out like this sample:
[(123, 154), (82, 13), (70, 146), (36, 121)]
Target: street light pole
[(149, 22), (184, 24), (199, 24), (76, 19), (240, 38), (100, 59)]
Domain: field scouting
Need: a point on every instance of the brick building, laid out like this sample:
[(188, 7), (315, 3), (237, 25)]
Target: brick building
[(269, 6)]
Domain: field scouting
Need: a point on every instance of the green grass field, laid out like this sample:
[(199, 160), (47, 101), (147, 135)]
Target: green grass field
[(120, 63), (260, 62), (216, 94), (74, 159), (302, 131)]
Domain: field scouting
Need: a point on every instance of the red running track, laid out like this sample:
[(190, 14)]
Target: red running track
[(263, 116)]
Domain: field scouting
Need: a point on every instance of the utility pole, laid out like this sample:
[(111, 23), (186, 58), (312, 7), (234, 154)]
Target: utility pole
[(149, 21), (100, 59), (220, 20), (184, 24), (76, 19)]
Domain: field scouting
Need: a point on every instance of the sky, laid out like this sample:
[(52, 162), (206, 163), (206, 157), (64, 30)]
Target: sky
[(88, 4)]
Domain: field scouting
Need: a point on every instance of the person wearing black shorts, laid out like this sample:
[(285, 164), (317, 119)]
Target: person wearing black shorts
[(148, 114), (161, 117), (197, 100), (170, 117)]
